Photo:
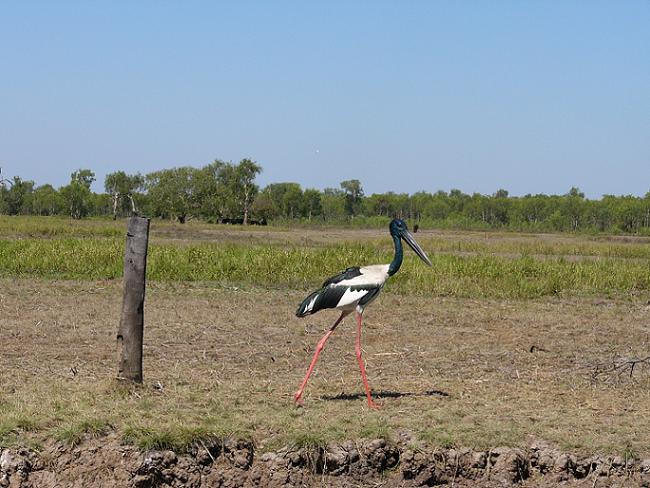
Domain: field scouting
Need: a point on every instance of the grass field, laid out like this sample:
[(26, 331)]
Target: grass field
[(506, 339), (502, 265)]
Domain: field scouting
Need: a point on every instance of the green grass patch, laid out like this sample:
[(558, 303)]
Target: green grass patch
[(481, 275), (181, 436), (73, 432), (376, 427), (309, 439), (179, 439), (49, 227)]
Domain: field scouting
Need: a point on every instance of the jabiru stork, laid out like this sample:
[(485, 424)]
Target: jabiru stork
[(353, 290)]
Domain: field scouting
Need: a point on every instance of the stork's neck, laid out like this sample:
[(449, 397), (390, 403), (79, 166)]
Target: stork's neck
[(397, 259)]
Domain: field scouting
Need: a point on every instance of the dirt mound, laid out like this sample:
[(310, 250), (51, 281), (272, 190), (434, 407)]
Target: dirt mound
[(105, 461)]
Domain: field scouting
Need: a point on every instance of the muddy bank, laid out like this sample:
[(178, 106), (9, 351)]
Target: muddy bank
[(232, 463)]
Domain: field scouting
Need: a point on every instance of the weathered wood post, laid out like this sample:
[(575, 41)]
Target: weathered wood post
[(131, 331)]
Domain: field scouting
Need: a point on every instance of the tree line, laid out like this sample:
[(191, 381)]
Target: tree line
[(226, 192)]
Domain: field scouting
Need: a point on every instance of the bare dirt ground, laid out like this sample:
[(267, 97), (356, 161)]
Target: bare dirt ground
[(449, 373), (197, 231), (106, 461), (326, 235)]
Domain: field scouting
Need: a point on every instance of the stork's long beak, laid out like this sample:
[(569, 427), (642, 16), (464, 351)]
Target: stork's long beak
[(410, 240)]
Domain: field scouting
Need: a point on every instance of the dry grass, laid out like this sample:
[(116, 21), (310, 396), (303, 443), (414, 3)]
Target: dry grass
[(218, 361)]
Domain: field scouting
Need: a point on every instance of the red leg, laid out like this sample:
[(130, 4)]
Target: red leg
[(357, 348), (297, 397)]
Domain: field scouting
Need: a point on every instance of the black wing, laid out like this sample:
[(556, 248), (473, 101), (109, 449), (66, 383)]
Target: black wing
[(348, 274), (370, 296), (330, 296), (327, 297)]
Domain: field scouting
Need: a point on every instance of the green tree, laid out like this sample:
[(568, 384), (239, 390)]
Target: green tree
[(646, 210), (18, 197), (172, 192), (3, 201), (211, 197), (531, 210), (353, 192), (312, 202), (403, 205), (293, 201), (573, 206), (380, 204), (575, 192), (241, 183), (500, 208), (419, 203), (77, 199), (77, 196), (333, 204), (283, 200), (600, 214), (46, 200), (478, 208), (4, 184), (263, 206), (122, 188), (457, 201), (439, 207), (630, 213), (100, 204), (83, 176)]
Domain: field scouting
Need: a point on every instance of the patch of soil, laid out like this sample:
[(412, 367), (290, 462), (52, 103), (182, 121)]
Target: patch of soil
[(105, 461)]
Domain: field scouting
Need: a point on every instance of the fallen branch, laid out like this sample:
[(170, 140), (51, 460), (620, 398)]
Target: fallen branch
[(619, 366)]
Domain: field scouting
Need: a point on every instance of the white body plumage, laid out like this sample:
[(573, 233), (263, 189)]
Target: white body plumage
[(355, 287)]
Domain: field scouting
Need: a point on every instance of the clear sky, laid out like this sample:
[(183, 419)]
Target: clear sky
[(531, 96)]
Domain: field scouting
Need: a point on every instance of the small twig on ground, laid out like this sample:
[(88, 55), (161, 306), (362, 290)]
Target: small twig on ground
[(207, 450), (619, 365), (453, 481)]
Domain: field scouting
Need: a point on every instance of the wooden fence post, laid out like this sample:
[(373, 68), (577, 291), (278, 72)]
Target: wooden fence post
[(131, 331)]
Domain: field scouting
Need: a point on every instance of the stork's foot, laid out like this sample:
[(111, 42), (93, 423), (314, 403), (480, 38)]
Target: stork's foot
[(297, 399), (373, 405)]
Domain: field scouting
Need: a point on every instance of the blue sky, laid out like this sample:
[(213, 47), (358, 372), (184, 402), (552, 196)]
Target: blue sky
[(532, 96)]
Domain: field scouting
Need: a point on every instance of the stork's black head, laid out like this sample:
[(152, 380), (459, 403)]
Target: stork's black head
[(399, 229)]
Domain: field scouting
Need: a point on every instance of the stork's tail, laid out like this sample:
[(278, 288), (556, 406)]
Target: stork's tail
[(307, 305)]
